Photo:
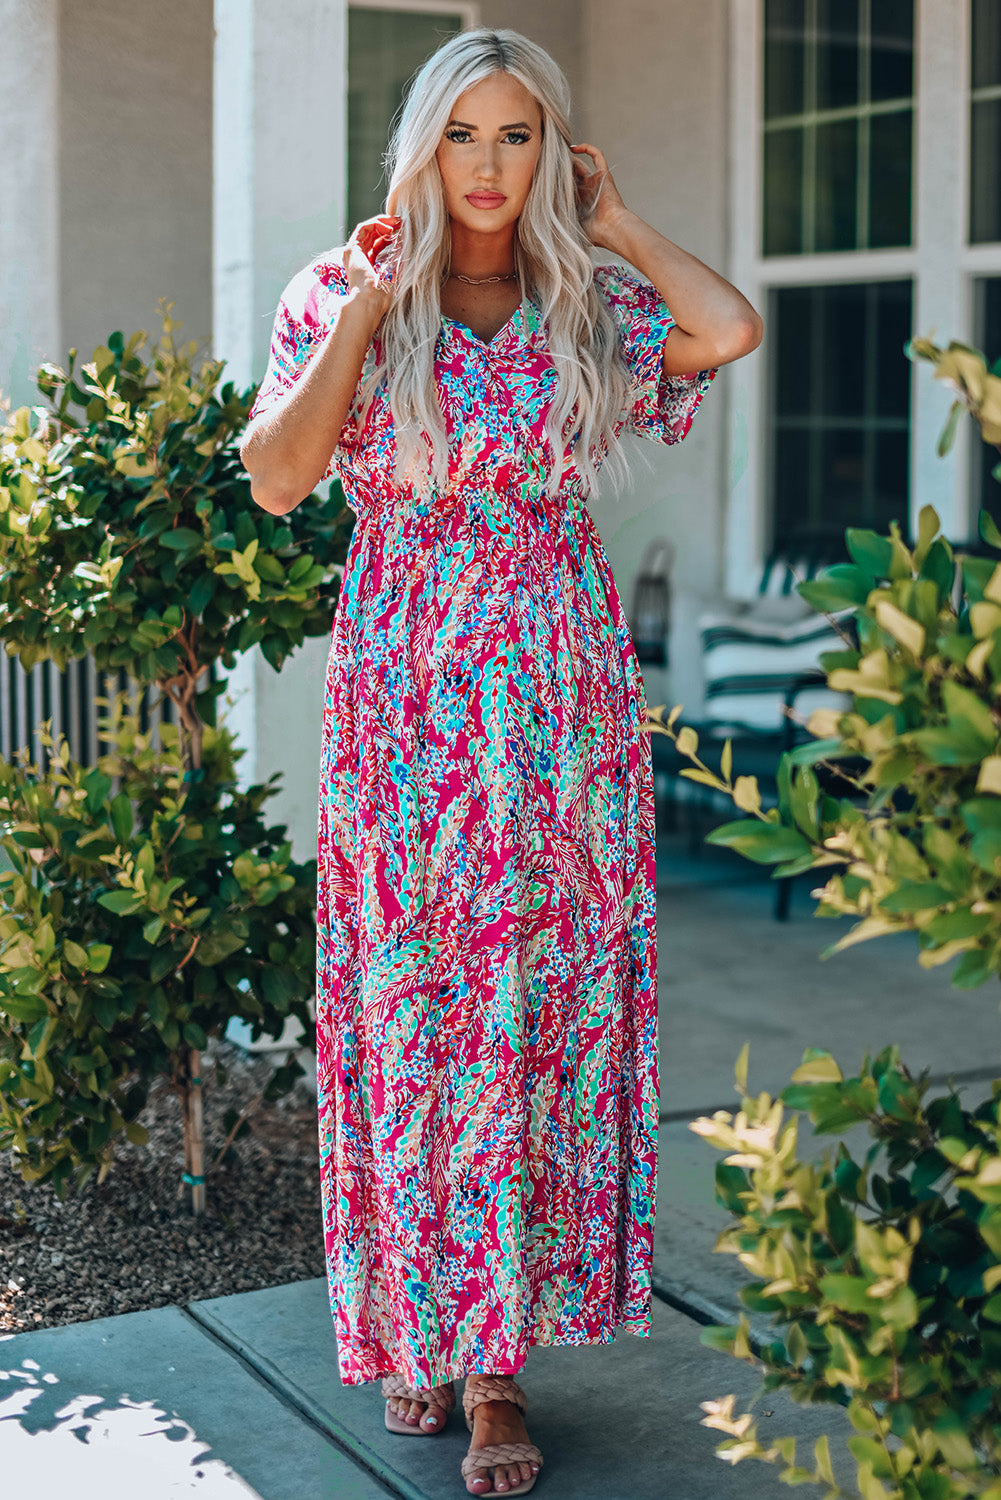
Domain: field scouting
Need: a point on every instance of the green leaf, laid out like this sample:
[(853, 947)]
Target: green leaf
[(76, 955), (23, 1007), (121, 817), (817, 1067), (988, 529), (98, 955), (765, 843), (181, 539), (947, 436), (872, 553), (202, 592), (120, 902), (835, 588), (740, 1069), (194, 1035)]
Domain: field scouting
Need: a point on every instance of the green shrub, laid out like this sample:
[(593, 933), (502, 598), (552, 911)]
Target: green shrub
[(136, 922), (880, 1273), (883, 1275), (148, 903)]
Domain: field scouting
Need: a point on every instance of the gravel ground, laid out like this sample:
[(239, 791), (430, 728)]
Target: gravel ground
[(133, 1243)]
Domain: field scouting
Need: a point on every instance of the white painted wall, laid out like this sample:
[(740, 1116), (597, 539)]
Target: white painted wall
[(280, 155), (29, 194), (135, 167), (655, 101)]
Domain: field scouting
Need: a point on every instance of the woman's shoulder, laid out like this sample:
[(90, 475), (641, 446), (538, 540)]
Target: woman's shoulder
[(307, 296), (623, 288)]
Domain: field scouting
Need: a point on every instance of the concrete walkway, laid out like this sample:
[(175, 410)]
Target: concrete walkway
[(239, 1396)]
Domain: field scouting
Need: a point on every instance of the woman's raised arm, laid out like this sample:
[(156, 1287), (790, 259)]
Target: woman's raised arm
[(287, 448)]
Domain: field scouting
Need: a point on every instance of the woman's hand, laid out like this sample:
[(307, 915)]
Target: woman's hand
[(368, 239), (601, 202)]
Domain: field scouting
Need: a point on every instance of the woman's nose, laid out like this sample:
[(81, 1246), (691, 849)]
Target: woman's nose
[(487, 163)]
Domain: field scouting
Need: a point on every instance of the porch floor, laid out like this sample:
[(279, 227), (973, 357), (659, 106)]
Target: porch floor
[(239, 1395)]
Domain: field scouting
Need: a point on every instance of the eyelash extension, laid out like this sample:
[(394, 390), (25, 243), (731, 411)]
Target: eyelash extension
[(520, 136)]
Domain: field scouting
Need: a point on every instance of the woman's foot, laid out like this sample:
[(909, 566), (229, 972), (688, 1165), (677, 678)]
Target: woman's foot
[(429, 1416), (417, 1413), (497, 1422)]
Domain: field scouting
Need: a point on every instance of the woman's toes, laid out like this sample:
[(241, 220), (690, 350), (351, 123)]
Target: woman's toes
[(414, 1412), (431, 1417), (478, 1483)]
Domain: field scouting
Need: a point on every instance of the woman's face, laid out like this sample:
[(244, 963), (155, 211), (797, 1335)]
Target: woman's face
[(488, 152)]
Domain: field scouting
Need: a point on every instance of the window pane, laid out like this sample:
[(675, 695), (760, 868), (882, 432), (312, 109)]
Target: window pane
[(985, 62), (890, 179), (842, 474), (784, 57), (835, 188), (841, 312), (838, 57), (385, 48), (890, 500), (792, 352), (985, 170), (987, 490), (794, 518), (892, 49), (837, 53), (840, 411), (892, 317), (783, 192)]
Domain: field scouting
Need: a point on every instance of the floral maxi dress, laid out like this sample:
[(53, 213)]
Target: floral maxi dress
[(486, 948)]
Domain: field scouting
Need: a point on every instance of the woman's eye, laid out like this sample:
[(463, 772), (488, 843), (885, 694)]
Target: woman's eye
[(460, 137)]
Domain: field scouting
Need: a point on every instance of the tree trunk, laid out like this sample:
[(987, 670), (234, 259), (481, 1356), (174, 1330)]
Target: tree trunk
[(194, 1140), (182, 689)]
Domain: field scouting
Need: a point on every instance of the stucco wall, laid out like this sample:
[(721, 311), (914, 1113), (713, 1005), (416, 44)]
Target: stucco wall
[(555, 25), (135, 167), (654, 95), (29, 198)]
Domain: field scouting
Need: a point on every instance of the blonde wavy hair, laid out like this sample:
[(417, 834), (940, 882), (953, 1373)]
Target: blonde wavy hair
[(551, 255)]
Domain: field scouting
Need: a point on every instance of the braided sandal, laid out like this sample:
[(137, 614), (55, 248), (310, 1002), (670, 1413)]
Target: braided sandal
[(440, 1396), (498, 1388)]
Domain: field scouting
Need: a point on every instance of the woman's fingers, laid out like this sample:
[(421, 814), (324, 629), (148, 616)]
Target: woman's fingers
[(594, 152)]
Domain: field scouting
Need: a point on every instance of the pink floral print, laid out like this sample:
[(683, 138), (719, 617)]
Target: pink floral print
[(486, 942)]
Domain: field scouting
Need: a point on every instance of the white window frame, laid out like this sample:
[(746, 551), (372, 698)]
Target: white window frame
[(469, 10), (941, 265)]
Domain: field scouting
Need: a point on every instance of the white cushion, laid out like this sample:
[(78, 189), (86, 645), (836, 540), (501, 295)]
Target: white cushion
[(750, 661)]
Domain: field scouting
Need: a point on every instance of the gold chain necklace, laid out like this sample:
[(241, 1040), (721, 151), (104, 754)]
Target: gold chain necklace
[(482, 280)]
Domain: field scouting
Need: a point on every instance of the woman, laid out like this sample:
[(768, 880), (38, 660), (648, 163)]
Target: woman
[(486, 967)]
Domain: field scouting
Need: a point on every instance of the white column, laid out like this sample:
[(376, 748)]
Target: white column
[(30, 323), (280, 179), (941, 160)]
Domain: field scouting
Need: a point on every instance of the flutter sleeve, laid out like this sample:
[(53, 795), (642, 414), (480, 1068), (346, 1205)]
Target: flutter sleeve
[(662, 405), (306, 311)]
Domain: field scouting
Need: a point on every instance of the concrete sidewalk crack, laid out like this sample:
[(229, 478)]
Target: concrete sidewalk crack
[(267, 1373)]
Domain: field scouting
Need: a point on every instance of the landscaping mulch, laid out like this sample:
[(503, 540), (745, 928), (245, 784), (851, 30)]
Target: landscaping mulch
[(133, 1243)]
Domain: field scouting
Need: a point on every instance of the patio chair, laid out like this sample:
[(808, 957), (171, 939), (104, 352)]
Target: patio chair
[(762, 680)]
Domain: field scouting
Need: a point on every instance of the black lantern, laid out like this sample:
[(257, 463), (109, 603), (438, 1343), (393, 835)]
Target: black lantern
[(652, 604)]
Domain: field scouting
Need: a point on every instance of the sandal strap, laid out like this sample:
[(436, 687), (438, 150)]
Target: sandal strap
[(433, 1395), (492, 1388), (500, 1453)]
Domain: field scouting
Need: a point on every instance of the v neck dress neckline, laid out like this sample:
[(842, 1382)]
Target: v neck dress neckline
[(508, 326)]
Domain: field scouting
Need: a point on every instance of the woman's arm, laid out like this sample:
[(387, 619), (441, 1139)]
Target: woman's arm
[(286, 450), (714, 323)]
